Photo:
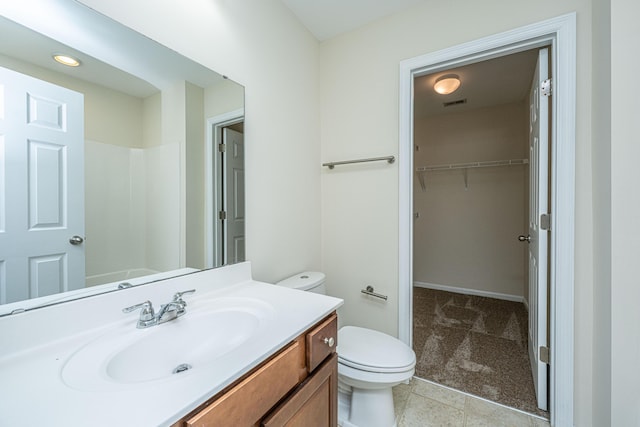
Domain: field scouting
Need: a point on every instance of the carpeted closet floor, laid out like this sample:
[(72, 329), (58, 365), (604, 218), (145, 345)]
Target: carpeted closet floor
[(474, 344)]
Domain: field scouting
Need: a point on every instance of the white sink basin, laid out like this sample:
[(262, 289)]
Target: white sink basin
[(130, 357)]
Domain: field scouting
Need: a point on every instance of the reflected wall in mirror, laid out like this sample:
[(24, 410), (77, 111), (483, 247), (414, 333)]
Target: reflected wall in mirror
[(125, 169)]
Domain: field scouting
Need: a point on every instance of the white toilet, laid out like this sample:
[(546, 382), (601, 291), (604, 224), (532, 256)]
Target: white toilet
[(370, 363)]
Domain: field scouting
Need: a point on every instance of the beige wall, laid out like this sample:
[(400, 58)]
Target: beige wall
[(262, 46), (601, 126), (359, 110), (223, 97), (625, 211), (466, 236)]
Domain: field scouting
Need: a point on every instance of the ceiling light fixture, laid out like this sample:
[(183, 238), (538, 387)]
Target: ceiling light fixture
[(67, 60), (447, 84)]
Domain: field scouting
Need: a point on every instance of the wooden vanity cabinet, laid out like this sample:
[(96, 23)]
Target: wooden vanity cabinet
[(298, 386), (314, 402)]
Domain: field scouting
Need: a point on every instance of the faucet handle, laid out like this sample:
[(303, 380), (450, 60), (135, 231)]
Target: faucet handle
[(177, 297), (147, 312)]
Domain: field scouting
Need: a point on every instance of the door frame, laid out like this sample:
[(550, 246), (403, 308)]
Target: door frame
[(560, 34), (212, 187)]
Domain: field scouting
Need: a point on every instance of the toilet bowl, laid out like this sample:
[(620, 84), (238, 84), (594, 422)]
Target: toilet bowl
[(370, 363)]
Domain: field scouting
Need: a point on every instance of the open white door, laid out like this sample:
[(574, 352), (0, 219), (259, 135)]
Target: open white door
[(41, 188), (233, 196), (538, 239)]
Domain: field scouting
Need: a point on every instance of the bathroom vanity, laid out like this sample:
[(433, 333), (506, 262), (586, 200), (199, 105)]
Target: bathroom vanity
[(244, 353), (305, 372)]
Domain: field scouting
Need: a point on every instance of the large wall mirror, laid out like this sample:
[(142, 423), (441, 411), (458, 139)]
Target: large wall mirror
[(126, 169)]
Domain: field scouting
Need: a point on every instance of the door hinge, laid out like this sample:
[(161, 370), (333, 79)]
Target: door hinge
[(222, 148), (546, 87), (544, 355), (545, 222), (222, 215)]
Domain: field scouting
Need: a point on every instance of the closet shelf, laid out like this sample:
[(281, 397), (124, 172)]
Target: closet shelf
[(466, 166), (473, 165)]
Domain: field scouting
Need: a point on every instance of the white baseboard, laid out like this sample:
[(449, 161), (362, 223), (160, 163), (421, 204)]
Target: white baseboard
[(467, 291)]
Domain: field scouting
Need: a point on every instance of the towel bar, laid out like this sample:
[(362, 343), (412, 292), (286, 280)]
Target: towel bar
[(389, 159)]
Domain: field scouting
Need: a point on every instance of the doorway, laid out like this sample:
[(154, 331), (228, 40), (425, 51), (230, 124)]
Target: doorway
[(559, 33), (470, 297), (225, 189)]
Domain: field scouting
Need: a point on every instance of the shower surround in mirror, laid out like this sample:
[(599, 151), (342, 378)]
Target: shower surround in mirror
[(123, 205), (474, 344)]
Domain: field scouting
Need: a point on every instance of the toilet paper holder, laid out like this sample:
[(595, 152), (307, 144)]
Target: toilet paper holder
[(370, 291)]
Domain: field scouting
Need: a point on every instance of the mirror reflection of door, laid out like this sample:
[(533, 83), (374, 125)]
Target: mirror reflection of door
[(231, 186), (41, 188)]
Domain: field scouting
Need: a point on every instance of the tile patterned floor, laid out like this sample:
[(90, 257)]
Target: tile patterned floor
[(422, 403)]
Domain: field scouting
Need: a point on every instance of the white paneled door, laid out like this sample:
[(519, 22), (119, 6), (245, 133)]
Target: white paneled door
[(234, 196), (41, 188), (539, 98)]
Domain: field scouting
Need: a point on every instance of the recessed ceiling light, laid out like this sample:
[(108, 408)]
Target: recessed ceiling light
[(447, 84), (67, 60)]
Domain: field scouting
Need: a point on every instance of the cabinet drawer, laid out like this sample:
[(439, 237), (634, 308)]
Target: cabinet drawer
[(246, 402), (313, 404), (322, 341)]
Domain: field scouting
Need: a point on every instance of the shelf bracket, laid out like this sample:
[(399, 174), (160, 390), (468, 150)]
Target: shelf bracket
[(423, 184)]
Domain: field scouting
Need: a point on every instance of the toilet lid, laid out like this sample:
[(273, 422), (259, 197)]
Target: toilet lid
[(375, 351)]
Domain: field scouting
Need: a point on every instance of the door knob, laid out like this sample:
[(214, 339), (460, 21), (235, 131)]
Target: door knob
[(76, 240), (524, 238)]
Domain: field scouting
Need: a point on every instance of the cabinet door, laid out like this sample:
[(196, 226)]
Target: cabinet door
[(313, 404)]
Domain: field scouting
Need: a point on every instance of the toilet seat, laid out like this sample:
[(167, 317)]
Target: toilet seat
[(375, 369), (367, 380), (372, 351)]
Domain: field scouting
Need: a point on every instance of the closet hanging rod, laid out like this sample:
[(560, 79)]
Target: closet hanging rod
[(473, 165), (389, 159)]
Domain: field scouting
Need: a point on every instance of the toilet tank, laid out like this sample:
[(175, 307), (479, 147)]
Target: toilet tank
[(312, 281)]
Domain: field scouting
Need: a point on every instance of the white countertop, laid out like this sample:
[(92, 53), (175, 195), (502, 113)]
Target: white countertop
[(36, 345)]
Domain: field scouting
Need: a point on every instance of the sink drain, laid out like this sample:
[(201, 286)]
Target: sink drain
[(181, 368)]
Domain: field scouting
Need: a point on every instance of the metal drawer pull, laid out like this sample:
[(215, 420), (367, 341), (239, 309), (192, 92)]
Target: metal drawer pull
[(329, 341)]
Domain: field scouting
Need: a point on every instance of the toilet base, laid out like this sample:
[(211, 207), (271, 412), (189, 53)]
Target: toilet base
[(365, 408)]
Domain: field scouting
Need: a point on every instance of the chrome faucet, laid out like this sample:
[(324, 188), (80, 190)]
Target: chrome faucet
[(168, 312), (147, 315)]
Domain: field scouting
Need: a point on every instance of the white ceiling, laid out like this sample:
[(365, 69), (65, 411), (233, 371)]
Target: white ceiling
[(497, 81), (329, 18)]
